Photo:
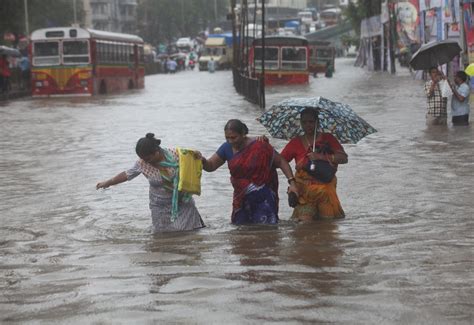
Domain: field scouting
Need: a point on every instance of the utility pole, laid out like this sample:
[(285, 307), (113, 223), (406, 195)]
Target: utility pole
[(27, 27), (215, 10), (392, 33), (182, 17), (74, 10)]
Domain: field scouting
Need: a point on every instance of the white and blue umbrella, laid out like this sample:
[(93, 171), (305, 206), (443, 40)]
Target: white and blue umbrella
[(283, 119)]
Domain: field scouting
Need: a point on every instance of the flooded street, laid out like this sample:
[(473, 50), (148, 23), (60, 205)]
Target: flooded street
[(71, 254)]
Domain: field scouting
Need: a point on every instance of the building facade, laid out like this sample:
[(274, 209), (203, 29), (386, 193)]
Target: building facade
[(111, 15)]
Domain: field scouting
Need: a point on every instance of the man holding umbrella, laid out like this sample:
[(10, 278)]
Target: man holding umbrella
[(430, 56), (437, 104)]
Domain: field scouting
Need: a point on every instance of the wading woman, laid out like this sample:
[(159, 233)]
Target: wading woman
[(159, 166), (317, 199), (252, 165)]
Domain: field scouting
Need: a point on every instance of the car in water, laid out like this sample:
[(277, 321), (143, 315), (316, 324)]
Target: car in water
[(185, 43)]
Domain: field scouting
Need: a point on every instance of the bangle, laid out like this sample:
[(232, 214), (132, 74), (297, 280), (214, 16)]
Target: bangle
[(291, 179)]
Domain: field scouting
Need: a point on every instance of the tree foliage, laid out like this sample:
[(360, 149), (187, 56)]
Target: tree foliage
[(164, 20), (41, 14), (363, 9)]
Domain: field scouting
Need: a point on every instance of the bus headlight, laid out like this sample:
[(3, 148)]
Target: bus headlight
[(39, 84), (84, 83)]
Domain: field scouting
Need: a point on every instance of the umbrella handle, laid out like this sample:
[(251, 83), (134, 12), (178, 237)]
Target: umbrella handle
[(314, 138)]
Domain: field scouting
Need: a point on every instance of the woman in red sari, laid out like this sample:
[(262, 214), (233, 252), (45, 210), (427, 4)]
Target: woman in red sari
[(316, 199), (252, 165)]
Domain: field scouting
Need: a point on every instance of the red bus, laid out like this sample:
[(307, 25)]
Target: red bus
[(69, 61), (286, 59)]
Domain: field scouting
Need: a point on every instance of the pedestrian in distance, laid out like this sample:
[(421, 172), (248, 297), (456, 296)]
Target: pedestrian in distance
[(252, 164), (460, 107), (317, 196), (159, 165), (437, 104), (211, 65), (171, 65), (329, 70), (25, 72), (5, 74)]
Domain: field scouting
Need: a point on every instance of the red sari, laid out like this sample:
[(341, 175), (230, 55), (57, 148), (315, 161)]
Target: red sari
[(255, 183)]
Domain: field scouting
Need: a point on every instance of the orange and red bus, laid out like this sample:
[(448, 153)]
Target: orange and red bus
[(285, 57), (70, 61)]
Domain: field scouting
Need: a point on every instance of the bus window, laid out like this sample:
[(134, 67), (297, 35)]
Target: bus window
[(130, 53), (75, 52), (141, 54), (271, 58), (102, 50), (109, 57), (293, 58), (46, 53)]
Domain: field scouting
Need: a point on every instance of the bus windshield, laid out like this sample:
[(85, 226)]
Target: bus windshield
[(293, 58), (75, 52), (46, 53), (214, 51), (271, 58)]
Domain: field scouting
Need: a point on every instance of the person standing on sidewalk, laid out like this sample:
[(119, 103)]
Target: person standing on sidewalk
[(437, 104), (25, 72), (4, 74), (460, 100)]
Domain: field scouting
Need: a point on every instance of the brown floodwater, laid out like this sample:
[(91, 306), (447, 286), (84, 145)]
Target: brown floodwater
[(71, 254)]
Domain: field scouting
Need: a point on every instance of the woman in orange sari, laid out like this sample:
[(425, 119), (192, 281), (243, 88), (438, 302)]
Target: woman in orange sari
[(316, 199)]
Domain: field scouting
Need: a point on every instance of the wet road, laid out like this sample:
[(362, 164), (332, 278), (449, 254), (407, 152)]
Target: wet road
[(71, 254)]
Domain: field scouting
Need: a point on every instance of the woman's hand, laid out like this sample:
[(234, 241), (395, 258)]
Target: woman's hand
[(197, 155), (262, 138), (316, 156), (292, 188), (104, 184)]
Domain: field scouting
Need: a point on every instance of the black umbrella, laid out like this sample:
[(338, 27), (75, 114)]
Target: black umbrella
[(434, 54)]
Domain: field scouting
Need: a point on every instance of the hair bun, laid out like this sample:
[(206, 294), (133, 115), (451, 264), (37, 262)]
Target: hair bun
[(150, 136)]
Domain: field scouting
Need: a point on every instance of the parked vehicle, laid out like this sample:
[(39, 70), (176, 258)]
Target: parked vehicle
[(219, 48), (69, 61), (306, 17), (185, 44), (331, 16)]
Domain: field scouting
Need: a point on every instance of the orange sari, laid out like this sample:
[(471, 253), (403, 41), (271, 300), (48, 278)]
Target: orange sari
[(316, 199)]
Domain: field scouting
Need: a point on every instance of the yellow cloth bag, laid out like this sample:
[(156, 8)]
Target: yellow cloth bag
[(190, 171)]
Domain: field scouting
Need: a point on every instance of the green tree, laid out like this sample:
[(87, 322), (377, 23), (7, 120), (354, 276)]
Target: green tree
[(363, 9), (164, 20), (41, 14)]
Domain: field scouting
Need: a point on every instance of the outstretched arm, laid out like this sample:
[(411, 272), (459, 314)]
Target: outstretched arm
[(117, 179), (211, 164)]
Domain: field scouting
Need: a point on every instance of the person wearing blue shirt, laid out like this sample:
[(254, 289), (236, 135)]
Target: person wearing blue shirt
[(25, 72), (460, 100)]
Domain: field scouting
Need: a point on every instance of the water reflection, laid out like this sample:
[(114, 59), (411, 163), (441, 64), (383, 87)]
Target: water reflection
[(315, 244), (72, 254)]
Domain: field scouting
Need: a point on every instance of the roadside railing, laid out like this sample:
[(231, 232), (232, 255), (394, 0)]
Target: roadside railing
[(251, 88)]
